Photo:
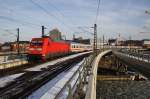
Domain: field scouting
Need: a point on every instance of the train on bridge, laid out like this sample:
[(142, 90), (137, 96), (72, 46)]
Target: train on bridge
[(44, 48)]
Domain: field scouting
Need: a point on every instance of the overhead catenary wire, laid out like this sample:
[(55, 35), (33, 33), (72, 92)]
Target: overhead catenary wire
[(24, 15), (85, 30), (8, 31), (19, 21), (42, 8), (23, 22), (97, 11), (52, 5), (58, 10), (50, 14)]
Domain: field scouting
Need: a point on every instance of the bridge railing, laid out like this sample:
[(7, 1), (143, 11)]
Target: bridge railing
[(76, 84), (118, 47), (137, 55)]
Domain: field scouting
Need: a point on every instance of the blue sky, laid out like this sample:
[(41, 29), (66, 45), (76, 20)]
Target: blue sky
[(124, 17)]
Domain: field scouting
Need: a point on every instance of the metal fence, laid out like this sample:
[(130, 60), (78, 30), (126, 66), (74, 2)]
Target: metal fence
[(141, 56), (76, 85), (82, 84)]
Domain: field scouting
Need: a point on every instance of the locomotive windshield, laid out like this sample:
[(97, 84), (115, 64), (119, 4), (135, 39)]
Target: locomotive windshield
[(37, 43)]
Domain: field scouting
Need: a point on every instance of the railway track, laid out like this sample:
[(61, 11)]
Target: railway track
[(31, 81), (18, 69), (135, 65)]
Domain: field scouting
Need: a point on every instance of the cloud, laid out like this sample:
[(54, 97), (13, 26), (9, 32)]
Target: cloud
[(125, 18), (116, 16)]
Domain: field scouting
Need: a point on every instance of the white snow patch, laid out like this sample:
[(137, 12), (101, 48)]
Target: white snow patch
[(61, 83), (50, 89), (5, 80), (45, 88)]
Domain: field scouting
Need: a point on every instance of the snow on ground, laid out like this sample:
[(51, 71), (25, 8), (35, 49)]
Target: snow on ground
[(50, 89), (38, 93), (45, 65), (7, 79)]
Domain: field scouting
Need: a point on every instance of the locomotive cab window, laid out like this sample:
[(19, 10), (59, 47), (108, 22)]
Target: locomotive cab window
[(37, 43)]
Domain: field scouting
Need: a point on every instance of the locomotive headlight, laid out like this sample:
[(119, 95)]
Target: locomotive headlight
[(39, 49)]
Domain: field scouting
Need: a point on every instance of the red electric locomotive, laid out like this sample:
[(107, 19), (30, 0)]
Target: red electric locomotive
[(44, 48)]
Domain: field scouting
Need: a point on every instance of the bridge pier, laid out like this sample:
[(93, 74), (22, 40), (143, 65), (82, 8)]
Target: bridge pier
[(121, 67)]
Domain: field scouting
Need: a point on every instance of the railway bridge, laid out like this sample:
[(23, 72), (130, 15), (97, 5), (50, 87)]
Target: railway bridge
[(112, 73), (94, 83), (86, 80), (124, 64)]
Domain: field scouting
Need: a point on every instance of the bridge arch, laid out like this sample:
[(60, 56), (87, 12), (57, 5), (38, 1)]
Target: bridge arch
[(91, 92)]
